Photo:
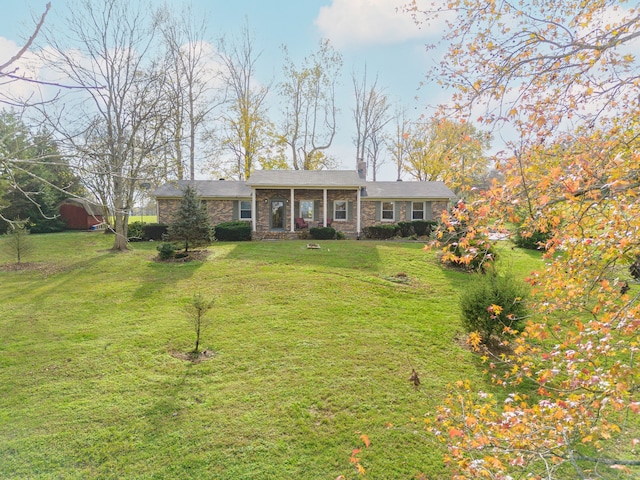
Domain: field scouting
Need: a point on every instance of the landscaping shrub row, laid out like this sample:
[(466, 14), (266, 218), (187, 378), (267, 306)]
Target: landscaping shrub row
[(239, 231), (421, 228)]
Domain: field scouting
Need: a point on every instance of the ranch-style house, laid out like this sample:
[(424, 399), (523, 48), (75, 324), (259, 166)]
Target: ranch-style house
[(281, 203)]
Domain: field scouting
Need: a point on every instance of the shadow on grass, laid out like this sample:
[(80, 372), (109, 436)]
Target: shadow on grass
[(168, 405), (343, 254), (160, 276), (62, 279)]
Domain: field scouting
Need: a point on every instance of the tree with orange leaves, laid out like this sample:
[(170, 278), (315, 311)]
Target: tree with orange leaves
[(563, 77)]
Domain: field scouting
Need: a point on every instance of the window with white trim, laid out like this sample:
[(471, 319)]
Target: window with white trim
[(306, 210), (340, 210), (388, 211), (417, 211), (245, 210)]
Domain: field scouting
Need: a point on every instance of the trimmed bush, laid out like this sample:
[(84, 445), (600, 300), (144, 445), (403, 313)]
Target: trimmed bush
[(406, 229), (380, 232), (166, 251), (154, 231), (423, 228), (322, 233), (238, 231), (493, 302)]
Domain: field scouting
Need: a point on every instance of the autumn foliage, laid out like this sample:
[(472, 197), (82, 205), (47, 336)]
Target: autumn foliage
[(563, 78)]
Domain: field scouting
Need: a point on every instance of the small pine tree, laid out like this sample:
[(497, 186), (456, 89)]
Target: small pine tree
[(18, 240), (191, 225)]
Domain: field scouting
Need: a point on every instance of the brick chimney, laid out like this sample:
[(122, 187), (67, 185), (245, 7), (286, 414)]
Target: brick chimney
[(362, 169)]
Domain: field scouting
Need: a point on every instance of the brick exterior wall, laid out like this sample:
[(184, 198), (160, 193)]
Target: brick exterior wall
[(437, 208), (219, 210), (263, 204), (222, 211)]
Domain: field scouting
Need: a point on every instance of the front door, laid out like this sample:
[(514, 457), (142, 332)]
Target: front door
[(278, 215)]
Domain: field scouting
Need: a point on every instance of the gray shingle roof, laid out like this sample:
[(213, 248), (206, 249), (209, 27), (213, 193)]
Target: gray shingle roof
[(308, 179), (205, 188), (407, 190), (305, 178)]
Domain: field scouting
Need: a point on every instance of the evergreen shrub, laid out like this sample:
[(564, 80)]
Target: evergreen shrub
[(322, 233), (492, 302), (238, 231), (380, 232), (154, 231)]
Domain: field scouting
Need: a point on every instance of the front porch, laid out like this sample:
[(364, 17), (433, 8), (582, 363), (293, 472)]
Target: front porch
[(276, 211)]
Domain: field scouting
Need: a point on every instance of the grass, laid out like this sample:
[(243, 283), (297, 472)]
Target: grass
[(312, 349)]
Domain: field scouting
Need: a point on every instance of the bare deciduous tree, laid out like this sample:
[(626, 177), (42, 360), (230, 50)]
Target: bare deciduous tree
[(245, 124), (399, 142), (189, 89), (113, 131), (371, 115), (310, 108)]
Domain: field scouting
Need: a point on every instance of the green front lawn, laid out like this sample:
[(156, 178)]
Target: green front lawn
[(312, 348)]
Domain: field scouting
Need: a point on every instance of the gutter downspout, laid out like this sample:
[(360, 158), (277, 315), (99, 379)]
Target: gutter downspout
[(291, 211), (358, 206), (254, 212)]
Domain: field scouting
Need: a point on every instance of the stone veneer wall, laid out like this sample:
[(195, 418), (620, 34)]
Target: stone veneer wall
[(437, 208)]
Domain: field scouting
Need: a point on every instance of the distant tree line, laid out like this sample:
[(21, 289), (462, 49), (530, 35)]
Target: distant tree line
[(147, 98)]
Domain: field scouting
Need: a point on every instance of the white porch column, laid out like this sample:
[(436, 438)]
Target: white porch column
[(324, 207), (358, 212), (292, 212), (254, 212)]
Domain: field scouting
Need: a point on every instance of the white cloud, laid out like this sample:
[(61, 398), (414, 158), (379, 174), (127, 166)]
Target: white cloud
[(24, 66), (368, 22)]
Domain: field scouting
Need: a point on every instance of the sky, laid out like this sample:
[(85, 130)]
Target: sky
[(375, 33)]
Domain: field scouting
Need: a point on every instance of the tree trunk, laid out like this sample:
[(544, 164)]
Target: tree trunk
[(120, 243)]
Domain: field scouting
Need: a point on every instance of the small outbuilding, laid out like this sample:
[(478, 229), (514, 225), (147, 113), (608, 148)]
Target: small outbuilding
[(80, 213)]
